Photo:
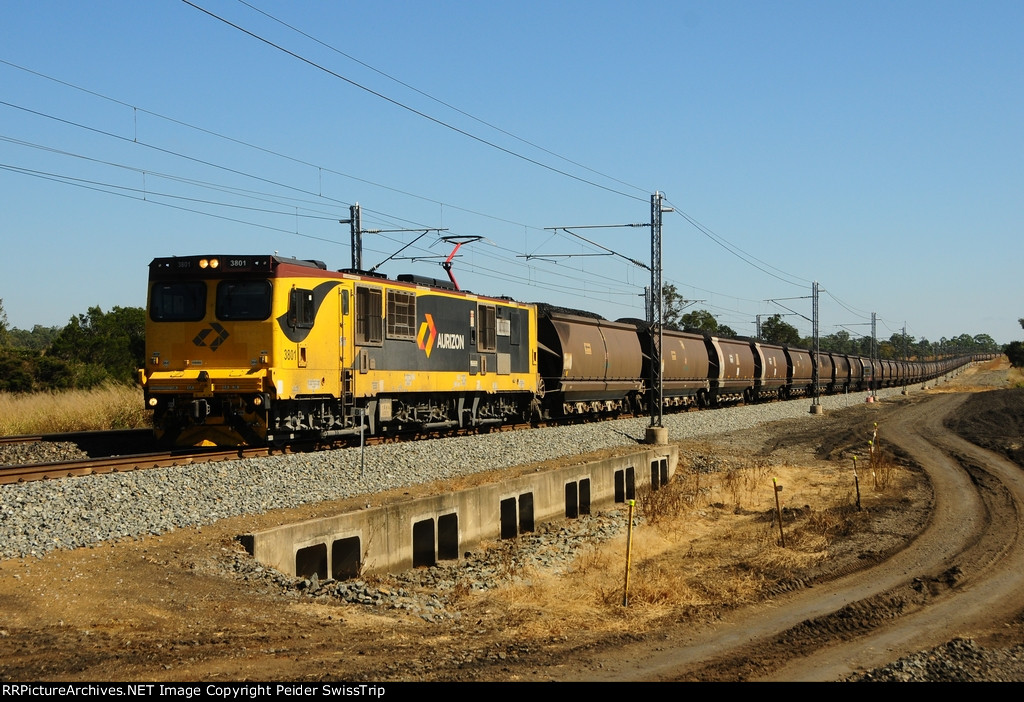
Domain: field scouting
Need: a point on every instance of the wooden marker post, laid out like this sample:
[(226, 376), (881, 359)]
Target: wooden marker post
[(778, 511), (856, 482)]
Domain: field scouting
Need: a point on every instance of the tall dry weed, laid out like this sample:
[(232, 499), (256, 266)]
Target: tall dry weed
[(652, 584), (665, 503), (743, 484), (590, 560), (107, 407), (885, 472), (882, 467), (708, 542)]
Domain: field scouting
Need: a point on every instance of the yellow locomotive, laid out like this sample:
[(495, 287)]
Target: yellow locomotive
[(244, 350)]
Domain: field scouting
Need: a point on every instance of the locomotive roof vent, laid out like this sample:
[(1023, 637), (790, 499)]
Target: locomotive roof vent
[(309, 262), (424, 280), (368, 274)]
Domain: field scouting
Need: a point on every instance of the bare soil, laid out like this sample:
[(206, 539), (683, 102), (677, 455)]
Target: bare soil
[(714, 595)]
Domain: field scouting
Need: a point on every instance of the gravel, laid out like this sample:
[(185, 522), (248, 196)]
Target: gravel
[(41, 516), (959, 660), (40, 452)]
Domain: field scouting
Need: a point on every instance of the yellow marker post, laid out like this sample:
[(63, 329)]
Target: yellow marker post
[(629, 550)]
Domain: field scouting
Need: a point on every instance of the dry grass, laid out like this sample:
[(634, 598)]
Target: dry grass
[(880, 467), (883, 471), (704, 543), (1015, 378), (109, 407)]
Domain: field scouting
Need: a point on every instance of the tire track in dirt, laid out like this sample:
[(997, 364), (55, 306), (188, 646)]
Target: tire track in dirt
[(959, 572), (984, 580)]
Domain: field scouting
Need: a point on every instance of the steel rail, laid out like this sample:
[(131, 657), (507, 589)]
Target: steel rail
[(119, 464)]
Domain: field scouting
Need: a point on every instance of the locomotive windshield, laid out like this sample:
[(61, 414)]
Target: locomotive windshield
[(243, 299), (178, 302)]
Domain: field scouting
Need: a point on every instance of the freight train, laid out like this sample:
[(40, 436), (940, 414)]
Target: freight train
[(250, 350)]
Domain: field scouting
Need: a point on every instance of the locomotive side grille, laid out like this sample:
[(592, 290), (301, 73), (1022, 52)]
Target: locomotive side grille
[(192, 385)]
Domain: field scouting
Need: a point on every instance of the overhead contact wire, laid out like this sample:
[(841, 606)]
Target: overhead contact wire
[(413, 110), (439, 101)]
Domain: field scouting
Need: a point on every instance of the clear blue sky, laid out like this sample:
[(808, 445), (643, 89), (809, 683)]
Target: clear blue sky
[(875, 147)]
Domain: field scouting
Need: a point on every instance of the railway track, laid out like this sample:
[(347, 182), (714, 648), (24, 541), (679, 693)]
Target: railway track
[(104, 448), (120, 464), (132, 449), (86, 439)]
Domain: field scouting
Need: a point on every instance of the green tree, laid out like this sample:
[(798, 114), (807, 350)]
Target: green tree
[(1015, 352), (16, 370), (839, 342), (776, 331), (901, 344), (39, 339), (672, 304), (922, 349), (700, 321), (964, 343), (103, 346)]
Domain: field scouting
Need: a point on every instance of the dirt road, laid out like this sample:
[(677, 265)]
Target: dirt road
[(962, 575)]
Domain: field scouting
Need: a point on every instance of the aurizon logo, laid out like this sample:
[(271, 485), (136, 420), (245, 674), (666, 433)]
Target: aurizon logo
[(428, 337), (422, 340), (214, 343)]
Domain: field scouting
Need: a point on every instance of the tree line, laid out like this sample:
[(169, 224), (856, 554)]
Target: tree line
[(100, 347), (775, 330), (92, 349)]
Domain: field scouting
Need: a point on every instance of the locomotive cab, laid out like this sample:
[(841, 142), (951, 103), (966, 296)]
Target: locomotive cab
[(211, 346)]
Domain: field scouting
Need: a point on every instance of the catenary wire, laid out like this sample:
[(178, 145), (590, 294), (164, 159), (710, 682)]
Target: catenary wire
[(413, 110), (439, 101)]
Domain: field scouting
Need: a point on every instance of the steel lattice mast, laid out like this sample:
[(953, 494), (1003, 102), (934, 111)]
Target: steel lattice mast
[(656, 311)]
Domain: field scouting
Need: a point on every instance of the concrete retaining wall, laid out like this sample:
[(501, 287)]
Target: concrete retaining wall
[(423, 531)]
